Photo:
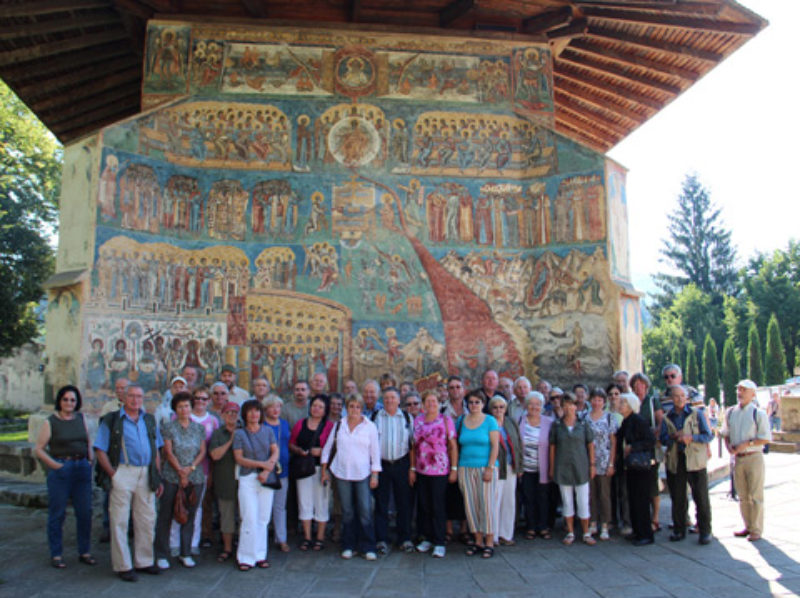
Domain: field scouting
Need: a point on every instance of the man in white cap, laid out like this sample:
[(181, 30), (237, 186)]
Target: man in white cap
[(746, 431), (164, 412)]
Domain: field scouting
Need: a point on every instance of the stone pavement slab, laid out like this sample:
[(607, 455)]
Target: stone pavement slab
[(729, 567)]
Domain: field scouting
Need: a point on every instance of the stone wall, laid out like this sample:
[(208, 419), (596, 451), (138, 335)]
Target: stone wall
[(22, 378)]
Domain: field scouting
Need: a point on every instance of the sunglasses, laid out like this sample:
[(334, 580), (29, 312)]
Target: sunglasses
[(669, 376), (412, 403)]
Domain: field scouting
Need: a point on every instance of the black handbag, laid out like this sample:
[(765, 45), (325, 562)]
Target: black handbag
[(273, 481), (639, 461), (304, 466)]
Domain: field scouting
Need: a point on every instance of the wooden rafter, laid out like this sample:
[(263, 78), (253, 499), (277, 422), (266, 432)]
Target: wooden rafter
[(53, 48), (21, 30), (662, 20), (577, 28), (256, 8), (65, 98), (130, 102), (597, 117), (71, 134), (616, 72), (606, 101), (586, 127), (588, 47), (60, 113), (35, 90), (64, 63), (355, 11), (575, 132), (602, 85), (547, 20), (691, 8), (454, 11), (32, 8), (652, 44)]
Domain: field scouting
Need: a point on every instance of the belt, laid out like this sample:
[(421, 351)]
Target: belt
[(392, 462), (71, 458), (747, 454)]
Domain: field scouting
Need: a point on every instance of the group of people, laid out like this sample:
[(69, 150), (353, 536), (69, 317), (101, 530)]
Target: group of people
[(480, 461)]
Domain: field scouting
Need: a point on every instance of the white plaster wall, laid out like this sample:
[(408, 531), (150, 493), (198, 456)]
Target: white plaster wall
[(22, 378)]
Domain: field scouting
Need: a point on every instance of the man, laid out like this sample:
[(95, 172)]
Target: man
[(223, 474), (455, 406), (350, 388), (236, 394), (544, 387), (164, 411), (489, 388), (620, 378), (506, 388), (746, 431), (413, 404), (581, 392), (219, 397), (318, 384), (192, 377), (516, 406), (371, 395), (672, 375), (296, 409), (395, 435), (127, 448), (406, 388), (335, 408), (115, 404), (685, 434), (261, 389)]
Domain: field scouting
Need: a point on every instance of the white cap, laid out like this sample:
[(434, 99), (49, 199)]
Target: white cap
[(178, 379), (747, 384)]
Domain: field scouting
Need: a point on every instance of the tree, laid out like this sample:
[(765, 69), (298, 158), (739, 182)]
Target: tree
[(755, 367), (30, 177), (675, 355), (730, 372), (710, 369), (698, 248), (691, 375), (775, 362)]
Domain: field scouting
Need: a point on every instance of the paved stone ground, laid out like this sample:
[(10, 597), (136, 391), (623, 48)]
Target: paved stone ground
[(729, 567)]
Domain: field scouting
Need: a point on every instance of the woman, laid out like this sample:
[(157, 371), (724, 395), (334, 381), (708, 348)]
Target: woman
[(256, 452), (433, 458), (636, 438), (184, 452), (510, 453), (620, 512), (68, 459), (308, 437), (534, 429), (225, 484), (604, 427), (478, 445), (572, 466), (613, 391), (651, 411), (353, 455), (280, 428)]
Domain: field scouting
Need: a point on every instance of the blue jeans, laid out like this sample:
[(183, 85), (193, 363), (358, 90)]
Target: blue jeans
[(72, 481), (356, 534)]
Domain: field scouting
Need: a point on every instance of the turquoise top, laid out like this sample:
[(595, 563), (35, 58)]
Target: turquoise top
[(475, 445)]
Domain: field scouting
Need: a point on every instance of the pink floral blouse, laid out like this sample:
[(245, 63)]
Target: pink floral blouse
[(430, 440)]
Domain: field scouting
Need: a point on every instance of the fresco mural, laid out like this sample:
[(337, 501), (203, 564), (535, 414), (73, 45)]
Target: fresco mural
[(349, 204)]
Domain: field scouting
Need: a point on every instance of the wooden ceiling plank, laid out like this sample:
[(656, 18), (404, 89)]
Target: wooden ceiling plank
[(166, 6), (584, 127), (599, 101), (577, 28), (20, 30), (63, 63), (547, 20), (606, 87), (256, 8), (60, 113), (574, 132), (598, 118), (652, 44), (696, 8), (83, 91), (355, 11), (586, 46), (678, 22), (454, 11), (69, 135), (133, 8), (616, 72), (126, 104), (39, 88), (60, 47), (43, 7)]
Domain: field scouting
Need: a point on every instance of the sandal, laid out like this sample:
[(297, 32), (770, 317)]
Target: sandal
[(305, 545), (530, 535), (656, 526), (545, 534), (223, 556), (589, 540), (318, 545), (87, 559), (487, 552), (504, 542), (58, 563), (244, 567), (263, 564), (568, 539), (465, 538), (473, 549), (284, 547)]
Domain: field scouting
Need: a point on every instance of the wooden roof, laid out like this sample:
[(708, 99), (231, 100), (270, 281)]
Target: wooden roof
[(78, 63)]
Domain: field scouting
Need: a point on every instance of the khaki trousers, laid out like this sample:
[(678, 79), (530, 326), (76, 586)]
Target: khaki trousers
[(748, 477), (130, 491)]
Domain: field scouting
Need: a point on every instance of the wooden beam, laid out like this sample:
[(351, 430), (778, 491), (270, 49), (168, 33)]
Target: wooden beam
[(20, 30), (547, 20), (67, 136), (129, 103), (591, 114), (42, 87), (652, 44), (61, 113), (256, 8), (133, 8), (454, 11), (668, 6), (63, 98), (68, 45), (586, 128), (679, 22), (63, 63), (617, 72), (31, 8), (355, 11), (586, 46), (605, 101), (576, 134), (603, 86), (577, 28), (166, 6)]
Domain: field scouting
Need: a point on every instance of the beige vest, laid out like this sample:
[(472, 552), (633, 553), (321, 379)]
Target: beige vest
[(696, 452)]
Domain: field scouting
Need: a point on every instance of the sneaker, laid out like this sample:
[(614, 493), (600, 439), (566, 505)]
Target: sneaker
[(383, 548), (593, 528), (604, 534), (162, 564), (187, 561), (424, 546), (347, 553), (626, 531), (407, 546), (371, 556), (438, 552)]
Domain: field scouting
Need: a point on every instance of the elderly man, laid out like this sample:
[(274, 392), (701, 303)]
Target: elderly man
[(127, 448), (371, 395), (620, 378), (350, 388), (395, 435), (296, 409), (236, 394), (115, 404), (455, 406), (192, 377), (319, 384), (219, 397), (581, 392), (516, 406), (506, 388), (746, 431), (261, 389), (685, 434)]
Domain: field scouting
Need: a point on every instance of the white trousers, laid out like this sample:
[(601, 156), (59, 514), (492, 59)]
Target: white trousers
[(130, 491), (313, 498), (255, 509), (505, 505), (582, 503)]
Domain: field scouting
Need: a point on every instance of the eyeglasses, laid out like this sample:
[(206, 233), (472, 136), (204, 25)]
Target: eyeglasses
[(454, 386), (201, 398), (668, 376), (413, 404), (69, 400), (474, 402)]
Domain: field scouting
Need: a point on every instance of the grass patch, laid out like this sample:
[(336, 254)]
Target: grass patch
[(14, 436)]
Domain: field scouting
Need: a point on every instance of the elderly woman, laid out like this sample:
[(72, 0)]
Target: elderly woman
[(225, 485), (479, 441), (534, 430), (651, 411), (510, 468), (572, 466), (308, 437), (68, 459), (638, 450), (184, 453), (255, 450), (280, 429), (433, 458), (516, 406), (353, 455), (604, 426)]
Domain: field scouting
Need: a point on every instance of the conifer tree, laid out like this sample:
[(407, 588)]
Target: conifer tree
[(775, 362), (691, 375), (755, 367), (710, 369), (730, 372)]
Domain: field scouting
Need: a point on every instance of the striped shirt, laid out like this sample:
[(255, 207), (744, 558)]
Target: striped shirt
[(394, 434)]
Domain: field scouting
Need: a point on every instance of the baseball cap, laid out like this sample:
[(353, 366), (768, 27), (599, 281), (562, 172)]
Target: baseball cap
[(228, 368), (747, 384), (178, 379), (230, 406)]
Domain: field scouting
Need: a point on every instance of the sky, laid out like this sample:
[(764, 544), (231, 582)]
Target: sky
[(738, 129)]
